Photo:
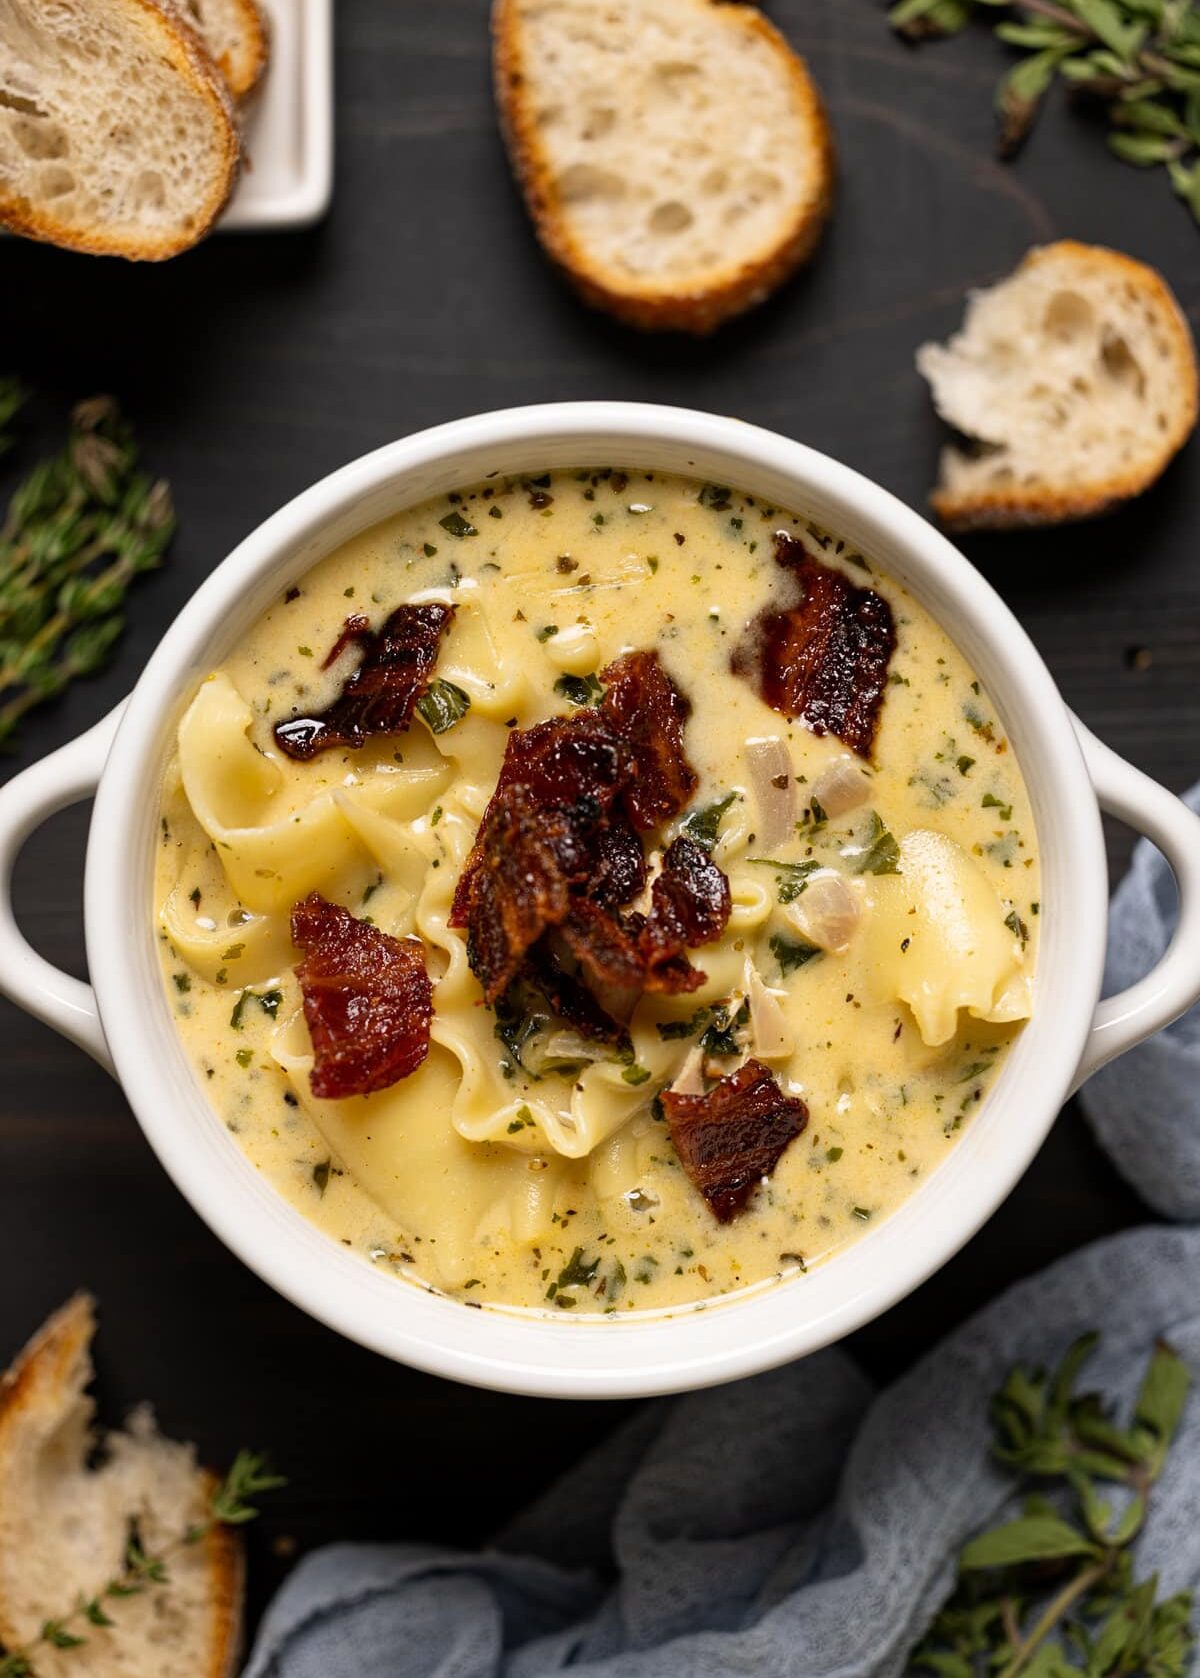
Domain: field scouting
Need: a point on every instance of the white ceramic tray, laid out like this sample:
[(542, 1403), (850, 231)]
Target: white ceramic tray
[(288, 176)]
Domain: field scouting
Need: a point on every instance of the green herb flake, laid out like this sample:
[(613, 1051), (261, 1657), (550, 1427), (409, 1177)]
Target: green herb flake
[(320, 1176), (791, 877), (964, 763), (1017, 926), (704, 825), (721, 1037), (677, 1030), (456, 525), (580, 690), (547, 632), (792, 953), (442, 705), (877, 852), (244, 1057), (578, 1272), (636, 1074), (183, 982), (989, 801)]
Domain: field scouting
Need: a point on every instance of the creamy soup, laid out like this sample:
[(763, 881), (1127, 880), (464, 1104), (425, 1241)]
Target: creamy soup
[(878, 927)]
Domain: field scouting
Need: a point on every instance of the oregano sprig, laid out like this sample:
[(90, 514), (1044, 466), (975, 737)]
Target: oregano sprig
[(79, 529), (230, 1504), (1052, 1593), (1140, 58)]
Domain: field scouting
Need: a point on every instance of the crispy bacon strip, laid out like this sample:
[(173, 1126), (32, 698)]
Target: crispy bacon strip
[(731, 1138), (519, 887), (379, 697), (569, 764), (587, 781), (367, 1000), (645, 709), (606, 949), (618, 871), (569, 999), (824, 660), (689, 905)]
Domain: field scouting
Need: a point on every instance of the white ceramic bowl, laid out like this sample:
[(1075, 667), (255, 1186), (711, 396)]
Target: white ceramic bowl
[(123, 1019)]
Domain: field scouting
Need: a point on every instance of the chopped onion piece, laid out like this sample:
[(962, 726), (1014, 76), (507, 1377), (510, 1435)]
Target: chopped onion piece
[(768, 1025), (689, 1080), (827, 912), (841, 787), (774, 783)]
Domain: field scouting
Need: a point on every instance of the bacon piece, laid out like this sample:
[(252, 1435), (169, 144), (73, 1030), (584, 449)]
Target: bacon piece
[(519, 887), (569, 999), (607, 949), (570, 764), (618, 871), (731, 1138), (645, 709), (824, 660), (367, 1000), (398, 660), (567, 761), (689, 905)]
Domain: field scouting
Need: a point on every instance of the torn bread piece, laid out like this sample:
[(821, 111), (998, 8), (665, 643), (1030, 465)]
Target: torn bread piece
[(65, 1525), (674, 154), (1075, 380), (117, 130)]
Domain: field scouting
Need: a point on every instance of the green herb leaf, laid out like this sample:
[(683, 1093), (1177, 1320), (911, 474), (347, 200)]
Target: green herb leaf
[(673, 1030), (442, 705), (792, 953), (456, 525), (722, 1038), (1031, 1538), (704, 825), (580, 690), (877, 851)]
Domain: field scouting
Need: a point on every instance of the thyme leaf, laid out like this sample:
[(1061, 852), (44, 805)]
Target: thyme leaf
[(80, 528), (1051, 1593), (1138, 60)]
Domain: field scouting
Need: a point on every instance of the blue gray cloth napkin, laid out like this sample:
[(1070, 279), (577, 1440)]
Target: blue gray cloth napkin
[(800, 1523)]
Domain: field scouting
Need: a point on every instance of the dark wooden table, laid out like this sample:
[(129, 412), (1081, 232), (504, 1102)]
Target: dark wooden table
[(255, 365)]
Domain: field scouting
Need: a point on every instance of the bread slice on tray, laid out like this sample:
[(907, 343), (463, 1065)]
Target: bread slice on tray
[(674, 154), (117, 131), (1074, 380), (236, 34), (65, 1525)]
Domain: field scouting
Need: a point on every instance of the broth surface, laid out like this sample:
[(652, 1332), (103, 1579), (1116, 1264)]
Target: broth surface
[(461, 1177)]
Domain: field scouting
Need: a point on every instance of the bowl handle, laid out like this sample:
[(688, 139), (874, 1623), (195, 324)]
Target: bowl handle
[(1171, 987), (26, 978)]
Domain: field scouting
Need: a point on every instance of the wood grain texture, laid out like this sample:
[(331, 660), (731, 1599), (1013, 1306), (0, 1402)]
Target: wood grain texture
[(256, 364)]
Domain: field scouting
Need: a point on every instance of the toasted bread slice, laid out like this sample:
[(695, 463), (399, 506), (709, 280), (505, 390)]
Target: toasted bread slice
[(236, 34), (674, 154), (117, 131), (1076, 379), (64, 1526)]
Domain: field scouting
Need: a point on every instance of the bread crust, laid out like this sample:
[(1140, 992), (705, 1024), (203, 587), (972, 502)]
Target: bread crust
[(55, 1364), (242, 69), (1018, 507), (184, 49), (659, 306)]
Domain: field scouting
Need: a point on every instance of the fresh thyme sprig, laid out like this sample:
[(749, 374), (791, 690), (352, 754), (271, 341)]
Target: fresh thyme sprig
[(1052, 1594), (229, 1505), (1141, 58), (79, 529)]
